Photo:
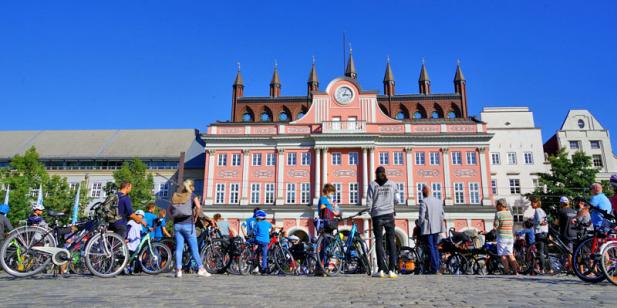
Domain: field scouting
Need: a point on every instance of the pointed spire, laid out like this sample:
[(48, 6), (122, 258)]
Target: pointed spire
[(238, 81), (388, 80), (424, 81), (275, 83), (459, 73), (423, 73), (388, 76), (313, 81), (350, 71)]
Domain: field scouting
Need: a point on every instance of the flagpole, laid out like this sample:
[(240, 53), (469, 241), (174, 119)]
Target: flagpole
[(76, 205)]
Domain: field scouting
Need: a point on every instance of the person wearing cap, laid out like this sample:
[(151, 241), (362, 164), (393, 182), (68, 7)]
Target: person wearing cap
[(382, 196), (134, 234), (5, 224), (36, 218), (248, 225), (567, 226), (262, 237)]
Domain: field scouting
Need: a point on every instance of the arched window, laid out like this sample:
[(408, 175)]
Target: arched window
[(581, 124), (247, 117), (401, 115), (300, 115), (435, 115), (265, 117), (451, 115), (283, 116), (417, 115)]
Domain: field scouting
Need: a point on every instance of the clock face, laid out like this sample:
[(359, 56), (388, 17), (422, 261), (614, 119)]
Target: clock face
[(343, 95)]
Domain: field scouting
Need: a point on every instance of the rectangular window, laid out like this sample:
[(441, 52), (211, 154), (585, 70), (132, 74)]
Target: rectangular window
[(419, 187), (353, 193), (351, 123), (511, 158), (305, 193), (536, 183), (434, 156), (255, 190), (72, 188), (336, 123), (457, 158), (256, 159), (337, 194), (220, 194), (336, 158), (515, 186), (291, 193), (575, 145), (398, 158), (306, 159), (401, 192), (528, 158), (437, 190), (597, 160), (291, 159), (459, 193), (495, 159), (222, 161), (595, 144), (235, 159), (353, 158), (494, 186), (163, 191), (384, 158), (234, 193), (517, 213), (474, 193), (269, 193), (95, 192), (471, 158), (270, 159), (420, 158)]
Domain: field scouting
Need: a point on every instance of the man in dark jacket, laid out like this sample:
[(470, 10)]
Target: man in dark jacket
[(382, 196)]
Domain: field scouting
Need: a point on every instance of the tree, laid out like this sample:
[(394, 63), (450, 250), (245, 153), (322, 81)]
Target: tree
[(568, 177), (59, 196), (135, 172)]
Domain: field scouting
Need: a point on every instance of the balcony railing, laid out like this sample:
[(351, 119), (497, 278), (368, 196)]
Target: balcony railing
[(330, 127)]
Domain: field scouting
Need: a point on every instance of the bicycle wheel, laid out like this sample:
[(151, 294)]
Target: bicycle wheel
[(106, 254), (18, 254), (156, 260), (331, 255), (609, 262), (456, 264), (587, 264), (479, 266), (284, 260), (365, 262), (407, 260), (214, 260)]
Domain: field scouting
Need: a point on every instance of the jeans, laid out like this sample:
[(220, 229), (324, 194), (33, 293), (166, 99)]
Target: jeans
[(186, 232), (431, 242), (541, 247), (263, 248), (379, 223)]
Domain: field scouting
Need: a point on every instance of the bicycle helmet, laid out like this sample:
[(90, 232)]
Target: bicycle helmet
[(613, 180), (260, 214), (140, 212), (4, 209), (36, 206)]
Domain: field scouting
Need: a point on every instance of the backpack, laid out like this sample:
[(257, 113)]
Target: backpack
[(181, 211), (108, 209)]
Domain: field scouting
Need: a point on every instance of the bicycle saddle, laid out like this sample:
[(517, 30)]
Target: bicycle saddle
[(53, 213)]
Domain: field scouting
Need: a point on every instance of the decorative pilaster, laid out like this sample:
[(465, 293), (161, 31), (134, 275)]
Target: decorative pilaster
[(371, 163), (484, 173), (364, 174), (446, 175), (280, 174), (410, 188), (208, 193), (317, 182), (324, 161), (244, 200)]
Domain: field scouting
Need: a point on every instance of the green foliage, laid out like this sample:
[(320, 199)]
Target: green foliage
[(135, 172), (569, 177), (26, 173)]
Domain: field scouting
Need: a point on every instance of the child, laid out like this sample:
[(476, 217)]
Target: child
[(36, 218), (149, 218), (262, 236), (160, 230), (529, 233), (134, 236), (327, 209)]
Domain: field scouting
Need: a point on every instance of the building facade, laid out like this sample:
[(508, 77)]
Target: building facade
[(277, 152), (92, 156), (516, 156), (581, 131)]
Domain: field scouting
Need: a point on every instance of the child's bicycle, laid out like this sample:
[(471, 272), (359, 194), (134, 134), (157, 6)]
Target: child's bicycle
[(150, 256)]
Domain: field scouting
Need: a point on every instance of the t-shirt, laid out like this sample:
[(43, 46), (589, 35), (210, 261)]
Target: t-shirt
[(566, 227), (158, 230), (262, 231), (249, 224), (125, 208), (149, 218), (503, 224), (326, 211), (599, 201), (530, 235), (223, 227), (134, 235), (539, 218)]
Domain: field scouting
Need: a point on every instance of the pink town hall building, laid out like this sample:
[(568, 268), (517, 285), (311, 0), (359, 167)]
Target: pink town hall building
[(277, 152)]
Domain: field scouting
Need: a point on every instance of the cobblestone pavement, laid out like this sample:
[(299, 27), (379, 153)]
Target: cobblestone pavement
[(275, 291)]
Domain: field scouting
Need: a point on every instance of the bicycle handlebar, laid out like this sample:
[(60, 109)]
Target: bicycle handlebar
[(360, 213)]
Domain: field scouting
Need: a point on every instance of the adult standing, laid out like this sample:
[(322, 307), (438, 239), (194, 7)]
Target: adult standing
[(223, 226), (567, 226), (431, 219), (184, 210), (599, 201), (503, 224), (125, 210), (540, 226), (381, 199)]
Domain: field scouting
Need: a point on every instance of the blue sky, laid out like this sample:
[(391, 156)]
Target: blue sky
[(170, 64)]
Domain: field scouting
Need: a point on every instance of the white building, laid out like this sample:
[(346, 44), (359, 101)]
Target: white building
[(516, 155), (581, 131)]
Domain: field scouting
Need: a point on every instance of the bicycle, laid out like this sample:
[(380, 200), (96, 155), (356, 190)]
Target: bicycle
[(30, 250), (609, 261), (153, 257), (280, 259)]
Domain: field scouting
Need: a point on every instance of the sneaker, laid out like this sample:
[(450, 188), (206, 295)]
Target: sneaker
[(392, 274), (379, 274), (203, 273), (179, 274)]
